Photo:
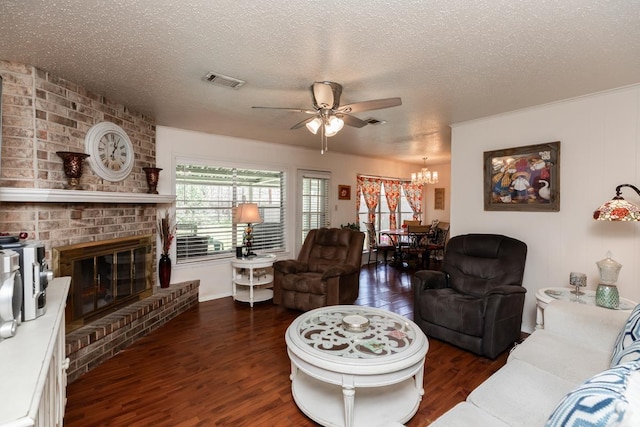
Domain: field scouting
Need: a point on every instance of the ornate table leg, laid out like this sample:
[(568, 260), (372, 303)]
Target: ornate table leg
[(348, 393)]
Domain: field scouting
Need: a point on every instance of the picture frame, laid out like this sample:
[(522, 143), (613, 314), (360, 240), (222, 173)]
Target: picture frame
[(438, 198), (523, 178), (344, 192)]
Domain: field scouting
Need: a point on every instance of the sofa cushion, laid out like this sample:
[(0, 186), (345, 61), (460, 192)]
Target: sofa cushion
[(465, 414), (630, 333), (610, 398), (557, 355), (520, 394)]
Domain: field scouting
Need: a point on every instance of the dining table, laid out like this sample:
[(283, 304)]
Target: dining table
[(403, 238)]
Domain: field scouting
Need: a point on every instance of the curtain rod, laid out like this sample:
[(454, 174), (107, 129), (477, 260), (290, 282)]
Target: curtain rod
[(381, 177)]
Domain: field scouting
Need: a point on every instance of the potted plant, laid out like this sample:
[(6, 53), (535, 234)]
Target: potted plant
[(166, 231)]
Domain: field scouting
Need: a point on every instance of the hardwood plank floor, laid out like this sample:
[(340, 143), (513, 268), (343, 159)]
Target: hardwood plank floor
[(225, 364)]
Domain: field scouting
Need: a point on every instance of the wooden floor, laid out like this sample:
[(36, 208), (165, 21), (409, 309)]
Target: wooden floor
[(225, 364)]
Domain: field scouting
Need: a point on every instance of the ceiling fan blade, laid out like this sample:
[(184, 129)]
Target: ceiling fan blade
[(352, 120), (326, 95), (295, 110), (302, 123), (374, 104)]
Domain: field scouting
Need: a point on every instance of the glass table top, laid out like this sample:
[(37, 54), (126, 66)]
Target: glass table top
[(387, 334)]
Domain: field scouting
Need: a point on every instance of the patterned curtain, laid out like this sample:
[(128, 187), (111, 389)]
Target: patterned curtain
[(370, 188), (413, 193), (392, 193)]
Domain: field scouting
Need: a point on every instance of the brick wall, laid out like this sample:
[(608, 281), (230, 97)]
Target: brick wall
[(43, 113)]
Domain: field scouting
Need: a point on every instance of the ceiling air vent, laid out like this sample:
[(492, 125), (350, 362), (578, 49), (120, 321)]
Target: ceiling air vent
[(222, 80), (373, 121)]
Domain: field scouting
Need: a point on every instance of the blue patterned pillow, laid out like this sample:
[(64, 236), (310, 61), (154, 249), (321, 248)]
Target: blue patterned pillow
[(628, 335), (607, 399), (630, 354)]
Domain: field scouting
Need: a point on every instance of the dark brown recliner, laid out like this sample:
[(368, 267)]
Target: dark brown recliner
[(475, 302), (327, 271)]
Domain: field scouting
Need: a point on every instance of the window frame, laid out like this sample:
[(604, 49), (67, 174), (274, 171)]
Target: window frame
[(236, 229)]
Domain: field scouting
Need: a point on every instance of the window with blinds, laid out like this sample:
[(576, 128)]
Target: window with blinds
[(315, 201), (206, 197)]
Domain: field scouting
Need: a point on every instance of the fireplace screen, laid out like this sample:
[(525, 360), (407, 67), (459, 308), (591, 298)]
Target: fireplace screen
[(104, 276)]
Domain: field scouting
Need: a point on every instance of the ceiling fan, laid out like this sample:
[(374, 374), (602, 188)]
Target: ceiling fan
[(328, 116)]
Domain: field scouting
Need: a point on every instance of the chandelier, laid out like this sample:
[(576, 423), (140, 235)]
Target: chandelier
[(425, 176)]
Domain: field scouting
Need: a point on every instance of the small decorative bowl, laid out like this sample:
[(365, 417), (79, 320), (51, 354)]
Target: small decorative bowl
[(355, 323)]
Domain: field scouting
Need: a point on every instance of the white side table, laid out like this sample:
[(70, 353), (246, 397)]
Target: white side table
[(545, 295), (251, 282)]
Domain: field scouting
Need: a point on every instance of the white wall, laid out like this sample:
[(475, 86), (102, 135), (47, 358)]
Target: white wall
[(215, 276), (444, 181), (599, 137)]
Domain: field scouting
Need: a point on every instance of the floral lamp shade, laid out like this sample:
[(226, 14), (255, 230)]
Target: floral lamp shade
[(618, 209)]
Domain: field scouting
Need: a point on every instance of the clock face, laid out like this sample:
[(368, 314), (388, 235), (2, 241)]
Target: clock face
[(111, 151)]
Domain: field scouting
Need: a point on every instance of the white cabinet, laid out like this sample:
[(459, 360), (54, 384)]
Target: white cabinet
[(252, 278), (33, 366)]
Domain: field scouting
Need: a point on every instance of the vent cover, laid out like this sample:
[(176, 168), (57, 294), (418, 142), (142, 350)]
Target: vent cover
[(373, 121), (222, 80)]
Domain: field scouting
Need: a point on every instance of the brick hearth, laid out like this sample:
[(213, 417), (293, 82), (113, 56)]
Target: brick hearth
[(94, 343)]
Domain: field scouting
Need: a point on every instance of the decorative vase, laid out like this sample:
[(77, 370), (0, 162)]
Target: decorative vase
[(72, 164), (164, 270), (607, 293), (153, 174), (607, 296)]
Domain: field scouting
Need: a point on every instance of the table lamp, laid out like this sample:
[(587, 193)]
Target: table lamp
[(247, 213)]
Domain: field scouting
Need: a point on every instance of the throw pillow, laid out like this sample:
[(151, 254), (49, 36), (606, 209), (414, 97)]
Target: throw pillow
[(630, 354), (610, 398), (628, 335)]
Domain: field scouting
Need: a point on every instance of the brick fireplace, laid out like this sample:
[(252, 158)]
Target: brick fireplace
[(41, 114)]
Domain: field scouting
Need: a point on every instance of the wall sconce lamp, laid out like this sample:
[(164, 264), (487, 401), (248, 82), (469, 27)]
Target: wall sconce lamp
[(247, 213), (618, 209)]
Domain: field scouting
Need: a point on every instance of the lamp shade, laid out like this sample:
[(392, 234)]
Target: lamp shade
[(247, 213), (617, 209)]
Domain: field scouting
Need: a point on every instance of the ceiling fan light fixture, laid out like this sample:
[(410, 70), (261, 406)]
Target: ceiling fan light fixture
[(334, 125), (314, 125)]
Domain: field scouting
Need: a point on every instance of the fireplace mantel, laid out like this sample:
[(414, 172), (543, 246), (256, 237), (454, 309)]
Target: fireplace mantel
[(79, 196)]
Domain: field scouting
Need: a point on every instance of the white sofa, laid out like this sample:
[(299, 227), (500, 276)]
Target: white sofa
[(576, 343)]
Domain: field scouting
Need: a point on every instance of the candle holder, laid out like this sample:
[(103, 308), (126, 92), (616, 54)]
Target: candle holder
[(72, 164), (153, 175)]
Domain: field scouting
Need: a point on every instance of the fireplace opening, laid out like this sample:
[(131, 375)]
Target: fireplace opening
[(105, 276)]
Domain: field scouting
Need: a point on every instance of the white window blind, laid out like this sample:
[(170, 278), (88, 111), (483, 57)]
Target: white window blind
[(206, 197), (315, 201)]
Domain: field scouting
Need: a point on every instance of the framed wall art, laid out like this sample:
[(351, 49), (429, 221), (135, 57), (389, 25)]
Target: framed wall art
[(523, 178), (344, 192), (438, 198)]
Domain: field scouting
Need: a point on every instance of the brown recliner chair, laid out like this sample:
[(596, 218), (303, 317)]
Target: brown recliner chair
[(327, 271), (475, 302)]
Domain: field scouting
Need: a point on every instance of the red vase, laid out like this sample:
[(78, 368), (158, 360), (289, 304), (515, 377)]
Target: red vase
[(164, 270)]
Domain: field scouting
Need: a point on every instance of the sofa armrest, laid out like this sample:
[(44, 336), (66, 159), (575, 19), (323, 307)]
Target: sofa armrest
[(339, 270), (289, 266), (591, 326)]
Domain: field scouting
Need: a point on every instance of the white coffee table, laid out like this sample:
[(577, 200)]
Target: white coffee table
[(545, 295), (380, 369)]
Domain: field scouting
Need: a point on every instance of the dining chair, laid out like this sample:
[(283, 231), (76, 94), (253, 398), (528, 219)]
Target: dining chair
[(437, 243), (374, 243), (418, 242)]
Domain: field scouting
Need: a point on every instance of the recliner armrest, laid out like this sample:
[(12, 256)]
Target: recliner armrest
[(339, 270), (506, 290), (289, 266), (430, 279)]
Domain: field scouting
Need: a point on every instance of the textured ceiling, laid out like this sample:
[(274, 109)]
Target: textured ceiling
[(449, 61)]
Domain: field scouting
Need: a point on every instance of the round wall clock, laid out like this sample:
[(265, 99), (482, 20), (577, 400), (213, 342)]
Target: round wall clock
[(111, 151)]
